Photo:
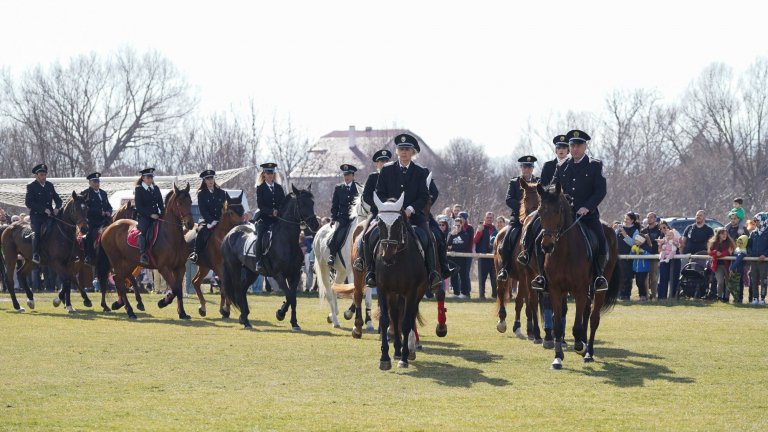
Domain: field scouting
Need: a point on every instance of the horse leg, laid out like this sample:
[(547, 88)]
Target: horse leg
[(103, 287), (407, 327), (396, 310), (179, 293), (25, 286), (196, 282), (357, 298), (368, 302), (519, 302), (533, 301), (136, 292), (86, 301), (385, 363), (122, 294), (579, 332), (293, 285), (556, 298), (10, 269), (594, 323), (325, 289), (442, 328), (502, 288)]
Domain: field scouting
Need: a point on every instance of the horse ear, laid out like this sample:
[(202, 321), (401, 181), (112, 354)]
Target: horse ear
[(74, 195), (309, 188), (540, 189), (186, 189), (175, 189), (295, 191), (376, 200), (523, 184)]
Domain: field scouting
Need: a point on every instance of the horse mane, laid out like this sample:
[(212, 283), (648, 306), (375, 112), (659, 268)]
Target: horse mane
[(523, 212), (359, 208)]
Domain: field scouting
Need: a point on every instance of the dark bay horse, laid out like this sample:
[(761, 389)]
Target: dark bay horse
[(57, 250), (282, 261), (569, 271), (401, 281), (523, 274), (168, 254), (210, 258)]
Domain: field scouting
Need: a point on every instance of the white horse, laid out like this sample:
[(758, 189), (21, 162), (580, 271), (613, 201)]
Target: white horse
[(359, 212)]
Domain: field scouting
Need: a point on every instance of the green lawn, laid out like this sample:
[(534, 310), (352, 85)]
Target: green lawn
[(684, 367)]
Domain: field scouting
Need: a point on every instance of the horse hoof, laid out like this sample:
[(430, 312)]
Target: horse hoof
[(519, 334), (31, 303), (501, 326), (411, 356), (161, 303), (348, 314), (538, 341), (69, 309), (369, 326), (185, 316), (224, 313), (201, 311), (247, 325), (106, 309), (56, 301), (296, 328), (87, 303), (21, 309), (385, 365), (402, 364), (564, 344), (441, 330), (329, 319), (280, 315), (140, 306), (336, 326), (419, 347), (548, 344), (131, 315), (357, 334), (580, 348), (116, 306), (557, 364), (588, 359)]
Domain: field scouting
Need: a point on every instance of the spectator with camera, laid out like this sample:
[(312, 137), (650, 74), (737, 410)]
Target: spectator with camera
[(483, 241), (653, 231)]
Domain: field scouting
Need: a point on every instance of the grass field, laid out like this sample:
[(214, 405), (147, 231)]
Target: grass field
[(684, 367)]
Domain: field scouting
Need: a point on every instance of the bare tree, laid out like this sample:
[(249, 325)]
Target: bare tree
[(290, 149)]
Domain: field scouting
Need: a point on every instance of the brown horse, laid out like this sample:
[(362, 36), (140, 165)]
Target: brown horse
[(210, 258), (569, 271), (57, 250), (523, 274), (168, 255)]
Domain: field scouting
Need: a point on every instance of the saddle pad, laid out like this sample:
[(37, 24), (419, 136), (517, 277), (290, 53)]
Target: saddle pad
[(249, 244), (133, 237), (590, 241)]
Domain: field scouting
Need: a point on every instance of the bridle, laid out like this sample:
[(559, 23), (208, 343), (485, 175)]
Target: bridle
[(400, 243), (557, 233), (301, 219), (176, 209)]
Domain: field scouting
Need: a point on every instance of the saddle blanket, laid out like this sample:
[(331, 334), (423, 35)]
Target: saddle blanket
[(249, 244), (133, 236)]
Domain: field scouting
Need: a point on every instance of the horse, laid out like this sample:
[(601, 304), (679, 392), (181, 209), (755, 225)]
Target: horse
[(167, 253), (343, 266), (210, 258), (126, 211), (523, 274), (57, 250), (569, 271), (401, 281), (282, 258)]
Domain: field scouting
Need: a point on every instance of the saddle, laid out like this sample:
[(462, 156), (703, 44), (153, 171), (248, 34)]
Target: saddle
[(419, 234), (590, 241), (133, 237), (249, 245)]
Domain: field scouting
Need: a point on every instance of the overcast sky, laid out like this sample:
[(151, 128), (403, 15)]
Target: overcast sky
[(443, 69)]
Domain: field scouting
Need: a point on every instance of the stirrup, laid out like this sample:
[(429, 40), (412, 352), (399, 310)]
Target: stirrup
[(434, 278), (193, 257), (331, 260), (502, 276), (144, 259), (259, 267), (539, 283), (600, 284), (36, 258), (358, 264), (370, 279), (523, 258)]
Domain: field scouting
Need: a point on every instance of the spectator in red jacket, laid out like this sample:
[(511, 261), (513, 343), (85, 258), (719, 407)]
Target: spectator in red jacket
[(483, 242)]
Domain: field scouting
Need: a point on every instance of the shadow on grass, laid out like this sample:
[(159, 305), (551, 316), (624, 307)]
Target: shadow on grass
[(453, 376), (143, 318), (452, 349), (624, 368)]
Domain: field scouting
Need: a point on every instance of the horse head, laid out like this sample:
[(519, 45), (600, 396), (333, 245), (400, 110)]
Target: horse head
[(76, 210), (305, 207), (553, 214), (530, 201), (234, 205), (392, 227), (180, 205)]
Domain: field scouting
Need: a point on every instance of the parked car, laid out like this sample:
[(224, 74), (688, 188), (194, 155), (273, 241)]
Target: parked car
[(680, 223)]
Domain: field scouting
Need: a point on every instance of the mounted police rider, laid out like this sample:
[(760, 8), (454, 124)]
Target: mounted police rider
[(380, 158), (39, 200), (547, 176), (99, 213), (408, 178), (210, 201), (269, 199), (344, 195), (149, 208), (514, 196), (582, 179)]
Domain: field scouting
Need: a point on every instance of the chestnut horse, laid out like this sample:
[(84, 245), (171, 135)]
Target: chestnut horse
[(569, 270), (210, 258), (57, 250), (167, 255)]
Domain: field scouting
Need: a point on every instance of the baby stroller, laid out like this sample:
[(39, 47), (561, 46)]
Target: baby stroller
[(694, 277)]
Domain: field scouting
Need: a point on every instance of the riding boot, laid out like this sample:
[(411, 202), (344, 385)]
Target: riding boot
[(529, 240), (143, 258), (88, 250), (601, 284), (198, 246), (505, 251), (370, 277), (331, 260), (539, 283), (259, 266), (359, 264), (35, 249), (434, 276)]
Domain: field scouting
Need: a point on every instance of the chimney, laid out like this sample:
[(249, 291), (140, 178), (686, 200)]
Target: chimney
[(368, 129), (352, 134)]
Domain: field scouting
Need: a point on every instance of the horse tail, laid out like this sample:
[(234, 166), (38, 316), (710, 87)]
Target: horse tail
[(102, 267), (3, 273), (231, 283), (613, 289), (343, 290)]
